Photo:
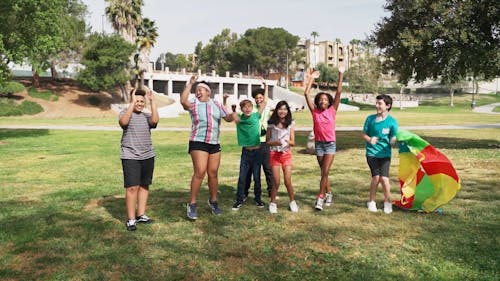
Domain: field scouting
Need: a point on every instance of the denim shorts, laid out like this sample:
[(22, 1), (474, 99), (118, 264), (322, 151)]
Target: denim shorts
[(325, 147)]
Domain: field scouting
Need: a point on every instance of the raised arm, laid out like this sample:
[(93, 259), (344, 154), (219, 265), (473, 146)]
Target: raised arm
[(309, 79), (336, 100), (155, 117), (187, 90), (263, 104), (231, 115), (125, 118)]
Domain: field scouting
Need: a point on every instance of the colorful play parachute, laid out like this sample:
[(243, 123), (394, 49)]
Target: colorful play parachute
[(427, 178)]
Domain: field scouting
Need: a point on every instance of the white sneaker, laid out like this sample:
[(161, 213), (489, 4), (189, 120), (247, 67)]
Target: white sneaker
[(372, 206), (328, 199), (273, 208), (319, 204), (387, 207), (293, 206)]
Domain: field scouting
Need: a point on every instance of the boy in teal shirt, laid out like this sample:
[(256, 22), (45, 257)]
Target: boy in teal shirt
[(379, 132), (248, 134)]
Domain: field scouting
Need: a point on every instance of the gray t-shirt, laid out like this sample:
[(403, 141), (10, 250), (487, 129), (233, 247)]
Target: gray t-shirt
[(136, 141)]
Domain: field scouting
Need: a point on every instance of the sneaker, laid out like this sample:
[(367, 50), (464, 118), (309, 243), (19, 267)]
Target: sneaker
[(214, 207), (319, 204), (191, 212), (131, 225), (293, 206), (273, 208), (144, 219), (328, 199), (259, 204), (237, 205), (387, 207), (372, 206)]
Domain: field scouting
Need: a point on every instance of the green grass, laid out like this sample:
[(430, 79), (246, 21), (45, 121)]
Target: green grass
[(9, 108), (62, 215)]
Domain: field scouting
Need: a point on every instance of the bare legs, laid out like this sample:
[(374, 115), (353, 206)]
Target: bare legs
[(136, 196), (385, 186), (204, 163), (325, 163), (287, 175)]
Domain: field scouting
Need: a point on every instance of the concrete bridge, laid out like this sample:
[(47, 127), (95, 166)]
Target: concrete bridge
[(237, 87)]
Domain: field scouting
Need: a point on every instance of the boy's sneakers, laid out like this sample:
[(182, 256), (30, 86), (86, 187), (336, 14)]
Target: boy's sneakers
[(259, 203), (144, 219), (191, 211), (214, 207), (319, 204), (237, 205), (328, 199), (293, 206), (131, 225), (273, 208), (387, 207), (372, 206)]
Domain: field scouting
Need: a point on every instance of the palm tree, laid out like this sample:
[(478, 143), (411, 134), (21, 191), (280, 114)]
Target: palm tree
[(147, 33), (314, 34), (125, 16)]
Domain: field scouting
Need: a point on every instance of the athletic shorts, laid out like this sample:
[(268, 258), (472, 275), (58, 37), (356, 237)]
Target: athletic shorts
[(325, 147), (203, 146), (379, 166), (280, 158), (138, 172)]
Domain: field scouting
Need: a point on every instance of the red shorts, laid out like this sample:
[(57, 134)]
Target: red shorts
[(280, 158)]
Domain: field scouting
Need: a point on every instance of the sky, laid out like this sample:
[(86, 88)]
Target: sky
[(182, 24)]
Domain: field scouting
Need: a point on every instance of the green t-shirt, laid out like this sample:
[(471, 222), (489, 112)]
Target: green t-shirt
[(248, 130)]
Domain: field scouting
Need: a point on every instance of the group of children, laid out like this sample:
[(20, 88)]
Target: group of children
[(266, 142)]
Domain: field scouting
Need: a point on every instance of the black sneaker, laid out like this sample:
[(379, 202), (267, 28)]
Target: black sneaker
[(191, 211), (131, 225), (259, 204), (214, 207), (144, 219), (237, 205)]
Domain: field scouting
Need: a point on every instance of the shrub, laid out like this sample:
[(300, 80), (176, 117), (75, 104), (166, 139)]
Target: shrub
[(10, 108), (11, 87), (46, 95), (93, 100), (30, 107)]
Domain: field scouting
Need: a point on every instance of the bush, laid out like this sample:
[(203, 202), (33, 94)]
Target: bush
[(10, 108), (46, 95), (11, 87), (93, 100)]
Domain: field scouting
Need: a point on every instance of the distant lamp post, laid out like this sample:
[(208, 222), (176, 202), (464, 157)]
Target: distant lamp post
[(287, 69)]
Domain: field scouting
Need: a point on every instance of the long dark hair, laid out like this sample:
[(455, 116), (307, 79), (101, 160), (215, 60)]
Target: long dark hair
[(275, 119)]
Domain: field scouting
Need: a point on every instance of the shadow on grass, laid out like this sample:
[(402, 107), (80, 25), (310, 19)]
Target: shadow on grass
[(22, 133), (352, 140)]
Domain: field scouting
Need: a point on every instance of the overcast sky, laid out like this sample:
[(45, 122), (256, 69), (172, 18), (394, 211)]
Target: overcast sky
[(182, 24)]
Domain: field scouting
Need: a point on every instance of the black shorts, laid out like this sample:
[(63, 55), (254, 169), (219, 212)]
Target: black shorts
[(379, 166), (138, 172), (203, 146)]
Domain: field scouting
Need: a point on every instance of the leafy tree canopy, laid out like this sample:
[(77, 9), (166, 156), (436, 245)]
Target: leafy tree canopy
[(105, 59), (441, 39)]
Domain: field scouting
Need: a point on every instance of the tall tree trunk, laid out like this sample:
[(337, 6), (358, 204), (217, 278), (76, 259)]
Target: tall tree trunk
[(36, 79), (53, 71)]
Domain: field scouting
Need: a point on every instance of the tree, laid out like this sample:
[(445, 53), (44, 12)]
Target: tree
[(327, 74), (441, 39), (105, 58), (215, 55), (34, 31), (364, 73), (147, 33), (265, 49), (314, 34)]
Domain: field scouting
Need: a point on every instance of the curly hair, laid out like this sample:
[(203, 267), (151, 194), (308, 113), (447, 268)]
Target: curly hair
[(317, 97)]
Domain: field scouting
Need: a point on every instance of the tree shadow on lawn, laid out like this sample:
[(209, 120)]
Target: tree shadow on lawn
[(22, 133), (352, 140)]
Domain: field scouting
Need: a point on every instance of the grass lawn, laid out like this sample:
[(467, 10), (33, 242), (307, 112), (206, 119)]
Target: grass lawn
[(62, 214)]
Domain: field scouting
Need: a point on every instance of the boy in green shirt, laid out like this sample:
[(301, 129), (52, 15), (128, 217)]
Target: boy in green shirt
[(248, 134)]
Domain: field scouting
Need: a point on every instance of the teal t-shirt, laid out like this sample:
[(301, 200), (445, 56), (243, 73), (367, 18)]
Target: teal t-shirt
[(384, 130), (248, 130)]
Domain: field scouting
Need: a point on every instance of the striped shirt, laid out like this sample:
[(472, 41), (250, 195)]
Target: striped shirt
[(279, 134), (136, 141), (206, 119)]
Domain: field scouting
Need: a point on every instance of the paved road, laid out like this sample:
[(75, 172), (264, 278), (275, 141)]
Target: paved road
[(110, 128)]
